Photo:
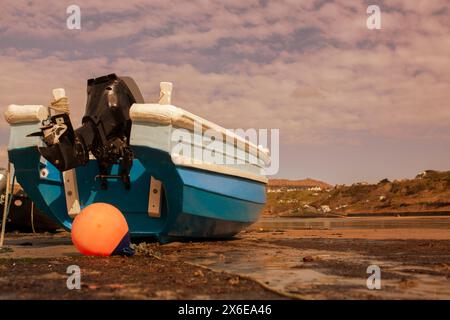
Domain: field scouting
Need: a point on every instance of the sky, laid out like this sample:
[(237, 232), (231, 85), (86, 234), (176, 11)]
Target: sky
[(352, 104)]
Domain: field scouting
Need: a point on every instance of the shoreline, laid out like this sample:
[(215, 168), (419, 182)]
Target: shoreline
[(367, 214)]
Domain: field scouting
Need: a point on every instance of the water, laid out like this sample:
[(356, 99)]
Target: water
[(336, 266), (354, 223)]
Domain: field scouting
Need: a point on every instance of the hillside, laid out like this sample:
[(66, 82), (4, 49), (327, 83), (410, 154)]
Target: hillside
[(427, 192)]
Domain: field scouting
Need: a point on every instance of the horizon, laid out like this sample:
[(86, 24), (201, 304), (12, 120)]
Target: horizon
[(352, 104)]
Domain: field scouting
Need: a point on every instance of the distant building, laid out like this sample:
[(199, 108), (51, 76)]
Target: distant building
[(284, 185), (325, 208)]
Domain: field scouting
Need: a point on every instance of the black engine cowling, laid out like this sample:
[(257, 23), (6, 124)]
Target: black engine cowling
[(105, 130)]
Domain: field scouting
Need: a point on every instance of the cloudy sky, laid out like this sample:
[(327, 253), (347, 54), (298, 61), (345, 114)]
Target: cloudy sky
[(351, 104)]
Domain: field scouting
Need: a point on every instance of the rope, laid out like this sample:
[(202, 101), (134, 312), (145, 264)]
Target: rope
[(5, 208), (60, 105), (8, 200), (32, 217), (11, 195)]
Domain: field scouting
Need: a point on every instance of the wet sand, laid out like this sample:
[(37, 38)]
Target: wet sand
[(275, 259)]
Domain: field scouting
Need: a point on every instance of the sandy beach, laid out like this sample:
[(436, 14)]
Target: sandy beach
[(274, 259)]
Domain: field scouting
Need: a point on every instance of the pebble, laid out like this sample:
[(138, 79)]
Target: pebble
[(199, 273), (308, 258)]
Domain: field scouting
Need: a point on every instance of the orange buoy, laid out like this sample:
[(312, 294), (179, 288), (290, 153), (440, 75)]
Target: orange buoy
[(101, 230)]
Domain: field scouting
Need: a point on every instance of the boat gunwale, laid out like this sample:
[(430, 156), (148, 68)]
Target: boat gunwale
[(179, 118)]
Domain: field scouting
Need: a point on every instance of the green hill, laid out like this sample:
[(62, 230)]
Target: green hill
[(427, 192)]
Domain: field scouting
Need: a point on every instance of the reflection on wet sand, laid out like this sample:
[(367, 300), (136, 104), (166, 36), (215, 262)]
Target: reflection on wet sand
[(355, 223)]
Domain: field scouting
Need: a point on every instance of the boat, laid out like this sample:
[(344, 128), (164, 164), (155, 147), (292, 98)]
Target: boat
[(137, 156), (23, 216)]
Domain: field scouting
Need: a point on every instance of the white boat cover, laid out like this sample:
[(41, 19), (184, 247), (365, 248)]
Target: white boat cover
[(25, 113)]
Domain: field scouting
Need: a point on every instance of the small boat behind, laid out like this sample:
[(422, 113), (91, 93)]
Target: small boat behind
[(157, 171), (23, 216)]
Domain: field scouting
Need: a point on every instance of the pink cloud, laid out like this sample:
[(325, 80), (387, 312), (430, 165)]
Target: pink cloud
[(343, 84)]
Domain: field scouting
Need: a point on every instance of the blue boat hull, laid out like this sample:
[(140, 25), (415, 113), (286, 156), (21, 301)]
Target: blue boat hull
[(195, 203)]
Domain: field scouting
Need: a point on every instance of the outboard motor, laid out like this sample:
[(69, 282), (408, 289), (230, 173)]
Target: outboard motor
[(105, 130)]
